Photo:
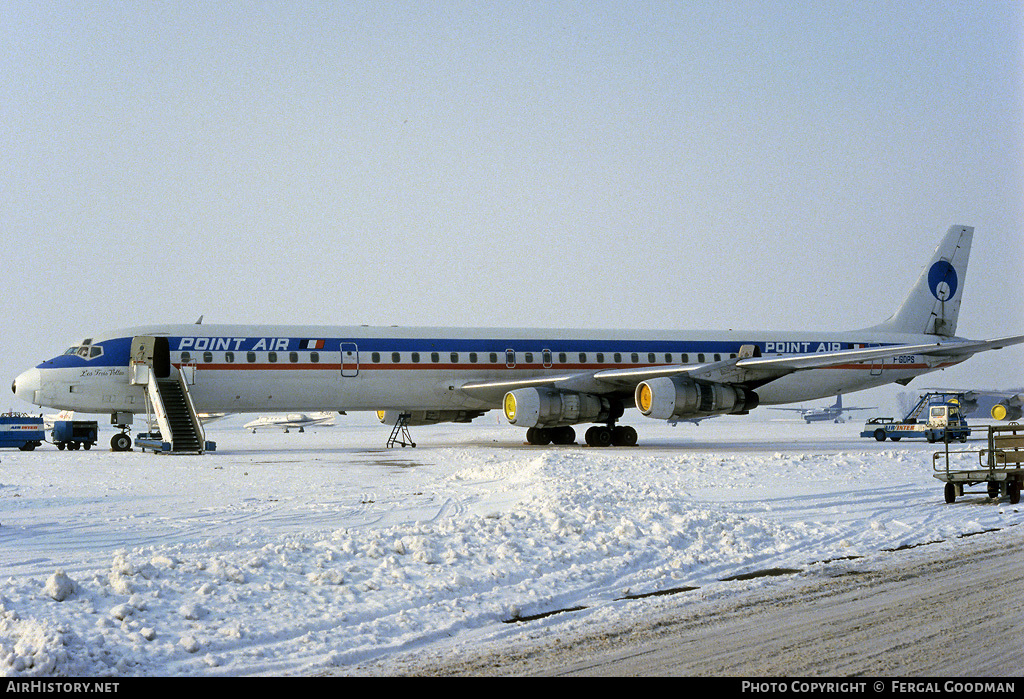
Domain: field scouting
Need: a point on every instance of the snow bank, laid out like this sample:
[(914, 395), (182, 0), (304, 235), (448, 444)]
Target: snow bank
[(303, 553)]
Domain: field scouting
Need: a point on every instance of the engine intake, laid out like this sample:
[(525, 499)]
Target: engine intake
[(1002, 411), (547, 407), (668, 398)]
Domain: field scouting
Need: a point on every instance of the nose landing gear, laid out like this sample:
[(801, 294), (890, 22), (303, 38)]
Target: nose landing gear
[(121, 442)]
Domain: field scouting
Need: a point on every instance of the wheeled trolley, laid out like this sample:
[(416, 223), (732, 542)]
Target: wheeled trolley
[(74, 434), (1000, 466)]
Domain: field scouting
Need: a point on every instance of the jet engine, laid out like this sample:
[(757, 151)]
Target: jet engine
[(428, 417), (1009, 408), (548, 407), (668, 398)]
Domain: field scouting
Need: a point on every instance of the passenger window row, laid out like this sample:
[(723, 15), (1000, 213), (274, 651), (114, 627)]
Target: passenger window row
[(510, 357)]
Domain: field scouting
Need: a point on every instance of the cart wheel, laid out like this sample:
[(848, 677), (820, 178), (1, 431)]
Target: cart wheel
[(1013, 490), (993, 489), (60, 446), (950, 492)]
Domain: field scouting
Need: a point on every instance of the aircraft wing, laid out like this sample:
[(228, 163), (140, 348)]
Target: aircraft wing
[(743, 370)]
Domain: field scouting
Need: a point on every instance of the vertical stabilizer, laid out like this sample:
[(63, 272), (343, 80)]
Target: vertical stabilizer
[(933, 304)]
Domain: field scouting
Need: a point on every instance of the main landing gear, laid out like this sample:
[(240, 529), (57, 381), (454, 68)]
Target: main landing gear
[(597, 436)]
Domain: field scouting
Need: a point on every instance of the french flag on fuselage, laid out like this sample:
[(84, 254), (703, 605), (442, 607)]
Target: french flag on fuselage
[(311, 344)]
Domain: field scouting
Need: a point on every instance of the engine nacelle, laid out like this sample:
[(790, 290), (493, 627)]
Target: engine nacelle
[(428, 417), (1002, 411), (547, 407), (668, 398)]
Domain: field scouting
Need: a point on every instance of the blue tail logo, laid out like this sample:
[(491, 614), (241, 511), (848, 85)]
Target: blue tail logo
[(942, 280)]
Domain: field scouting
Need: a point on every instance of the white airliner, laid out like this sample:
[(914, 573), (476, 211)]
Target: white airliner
[(299, 421), (544, 380)]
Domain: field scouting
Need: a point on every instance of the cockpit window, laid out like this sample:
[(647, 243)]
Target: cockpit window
[(85, 351)]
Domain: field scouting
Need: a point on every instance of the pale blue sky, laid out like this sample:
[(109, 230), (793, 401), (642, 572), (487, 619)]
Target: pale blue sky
[(571, 164)]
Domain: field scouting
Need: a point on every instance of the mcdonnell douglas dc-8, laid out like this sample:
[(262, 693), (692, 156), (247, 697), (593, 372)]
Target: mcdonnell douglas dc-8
[(546, 381)]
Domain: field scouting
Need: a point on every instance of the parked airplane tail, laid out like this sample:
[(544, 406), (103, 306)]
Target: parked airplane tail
[(933, 304)]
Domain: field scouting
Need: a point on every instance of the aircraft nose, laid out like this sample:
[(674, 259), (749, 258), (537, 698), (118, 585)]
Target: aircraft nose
[(26, 384)]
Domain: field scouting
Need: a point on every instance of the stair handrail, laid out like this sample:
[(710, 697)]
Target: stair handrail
[(162, 421)]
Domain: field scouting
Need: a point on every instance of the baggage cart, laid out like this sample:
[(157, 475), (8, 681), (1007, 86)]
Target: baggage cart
[(1000, 466)]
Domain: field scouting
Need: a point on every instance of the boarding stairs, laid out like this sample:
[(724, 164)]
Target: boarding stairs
[(179, 429), (185, 432)]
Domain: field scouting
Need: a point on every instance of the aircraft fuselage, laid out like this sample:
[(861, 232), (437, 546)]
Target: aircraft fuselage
[(311, 368)]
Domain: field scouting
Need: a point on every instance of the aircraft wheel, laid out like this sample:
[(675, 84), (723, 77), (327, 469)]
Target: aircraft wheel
[(599, 436), (538, 436), (563, 435), (624, 436), (120, 442), (950, 492)]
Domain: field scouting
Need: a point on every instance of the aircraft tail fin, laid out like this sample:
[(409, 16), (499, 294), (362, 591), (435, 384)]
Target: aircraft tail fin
[(933, 304)]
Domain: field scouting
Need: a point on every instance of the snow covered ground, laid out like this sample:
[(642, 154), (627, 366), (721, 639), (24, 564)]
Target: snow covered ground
[(321, 552)]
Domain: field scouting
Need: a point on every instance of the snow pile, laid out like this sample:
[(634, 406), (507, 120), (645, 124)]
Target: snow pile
[(302, 553)]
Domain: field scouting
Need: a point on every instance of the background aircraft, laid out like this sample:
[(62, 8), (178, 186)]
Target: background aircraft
[(982, 403), (833, 413), (291, 421)]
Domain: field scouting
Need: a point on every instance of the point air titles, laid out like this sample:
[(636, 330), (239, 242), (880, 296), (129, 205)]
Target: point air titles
[(791, 347), (252, 344)]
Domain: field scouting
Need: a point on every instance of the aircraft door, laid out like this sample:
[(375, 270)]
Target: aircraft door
[(149, 355), (878, 365), (349, 359)]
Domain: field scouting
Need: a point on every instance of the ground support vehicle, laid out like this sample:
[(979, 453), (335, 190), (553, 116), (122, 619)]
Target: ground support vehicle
[(937, 417), (1000, 466), (21, 431), (74, 434)]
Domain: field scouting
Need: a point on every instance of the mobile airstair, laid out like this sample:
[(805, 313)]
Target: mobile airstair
[(169, 408)]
